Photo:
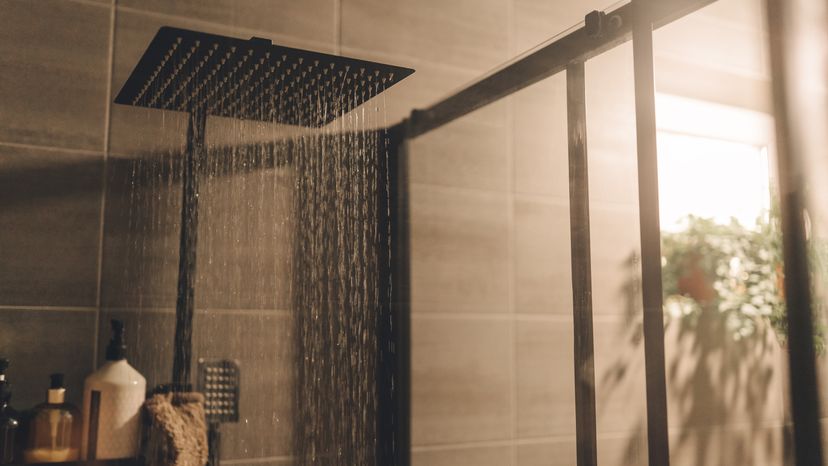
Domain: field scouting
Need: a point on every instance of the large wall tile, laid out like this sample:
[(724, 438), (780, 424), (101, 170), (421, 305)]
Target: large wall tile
[(540, 127), (478, 456), (464, 154), (262, 343), (726, 446), (308, 20), (246, 239), (542, 249), (623, 448), (468, 33), (616, 259), (50, 226), (552, 453), (545, 379), (461, 370), (54, 56), (142, 232), (619, 375), (39, 343), (537, 21), (611, 132), (714, 43), (458, 250)]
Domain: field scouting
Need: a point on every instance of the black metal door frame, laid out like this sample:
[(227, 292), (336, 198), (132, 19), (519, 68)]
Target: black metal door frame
[(634, 21)]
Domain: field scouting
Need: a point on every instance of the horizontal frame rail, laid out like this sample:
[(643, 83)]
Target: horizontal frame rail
[(577, 46)]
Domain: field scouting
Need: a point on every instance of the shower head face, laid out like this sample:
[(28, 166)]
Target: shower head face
[(191, 71)]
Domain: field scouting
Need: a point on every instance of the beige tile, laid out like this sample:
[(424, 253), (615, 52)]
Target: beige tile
[(616, 260), (262, 343), (623, 449), (142, 232), (51, 220), (149, 335), (469, 33), (459, 258), (711, 42), (723, 446), (309, 20), (245, 237), (619, 376), (713, 379), (461, 371), (545, 379), (611, 132), (537, 21), (39, 343), (542, 249), (540, 127), (137, 130), (748, 14), (712, 85), (480, 455), (53, 85), (551, 453), (464, 153)]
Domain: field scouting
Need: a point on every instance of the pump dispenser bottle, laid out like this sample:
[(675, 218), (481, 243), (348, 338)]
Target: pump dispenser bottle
[(112, 400), (9, 421), (55, 428)]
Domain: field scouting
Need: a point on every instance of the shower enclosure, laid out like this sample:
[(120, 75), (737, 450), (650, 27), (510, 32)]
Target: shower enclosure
[(567, 54)]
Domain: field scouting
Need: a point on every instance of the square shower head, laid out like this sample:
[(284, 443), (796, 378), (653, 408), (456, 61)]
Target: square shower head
[(252, 79)]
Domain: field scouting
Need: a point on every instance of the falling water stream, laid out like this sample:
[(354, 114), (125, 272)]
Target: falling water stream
[(291, 258)]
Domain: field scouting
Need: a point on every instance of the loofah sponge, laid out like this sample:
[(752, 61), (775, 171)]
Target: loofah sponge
[(176, 430)]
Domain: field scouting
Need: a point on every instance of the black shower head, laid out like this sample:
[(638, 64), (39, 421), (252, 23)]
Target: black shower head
[(252, 79)]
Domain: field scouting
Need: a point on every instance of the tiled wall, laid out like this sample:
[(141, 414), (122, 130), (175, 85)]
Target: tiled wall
[(53, 141), (491, 300)]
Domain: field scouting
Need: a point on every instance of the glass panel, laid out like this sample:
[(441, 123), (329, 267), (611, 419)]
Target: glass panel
[(721, 245), (491, 300), (616, 264)]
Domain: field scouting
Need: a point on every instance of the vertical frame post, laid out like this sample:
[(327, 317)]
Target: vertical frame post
[(581, 262), (792, 147), (400, 214), (185, 301), (658, 448)]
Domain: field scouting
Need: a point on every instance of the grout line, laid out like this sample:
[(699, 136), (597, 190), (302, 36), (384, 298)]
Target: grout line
[(104, 184), (510, 254), (50, 148), (265, 459), (152, 310), (203, 311), (24, 307), (93, 3), (607, 435), (246, 312), (461, 189), (523, 316)]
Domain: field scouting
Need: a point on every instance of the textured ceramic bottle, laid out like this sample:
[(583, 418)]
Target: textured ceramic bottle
[(112, 400)]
